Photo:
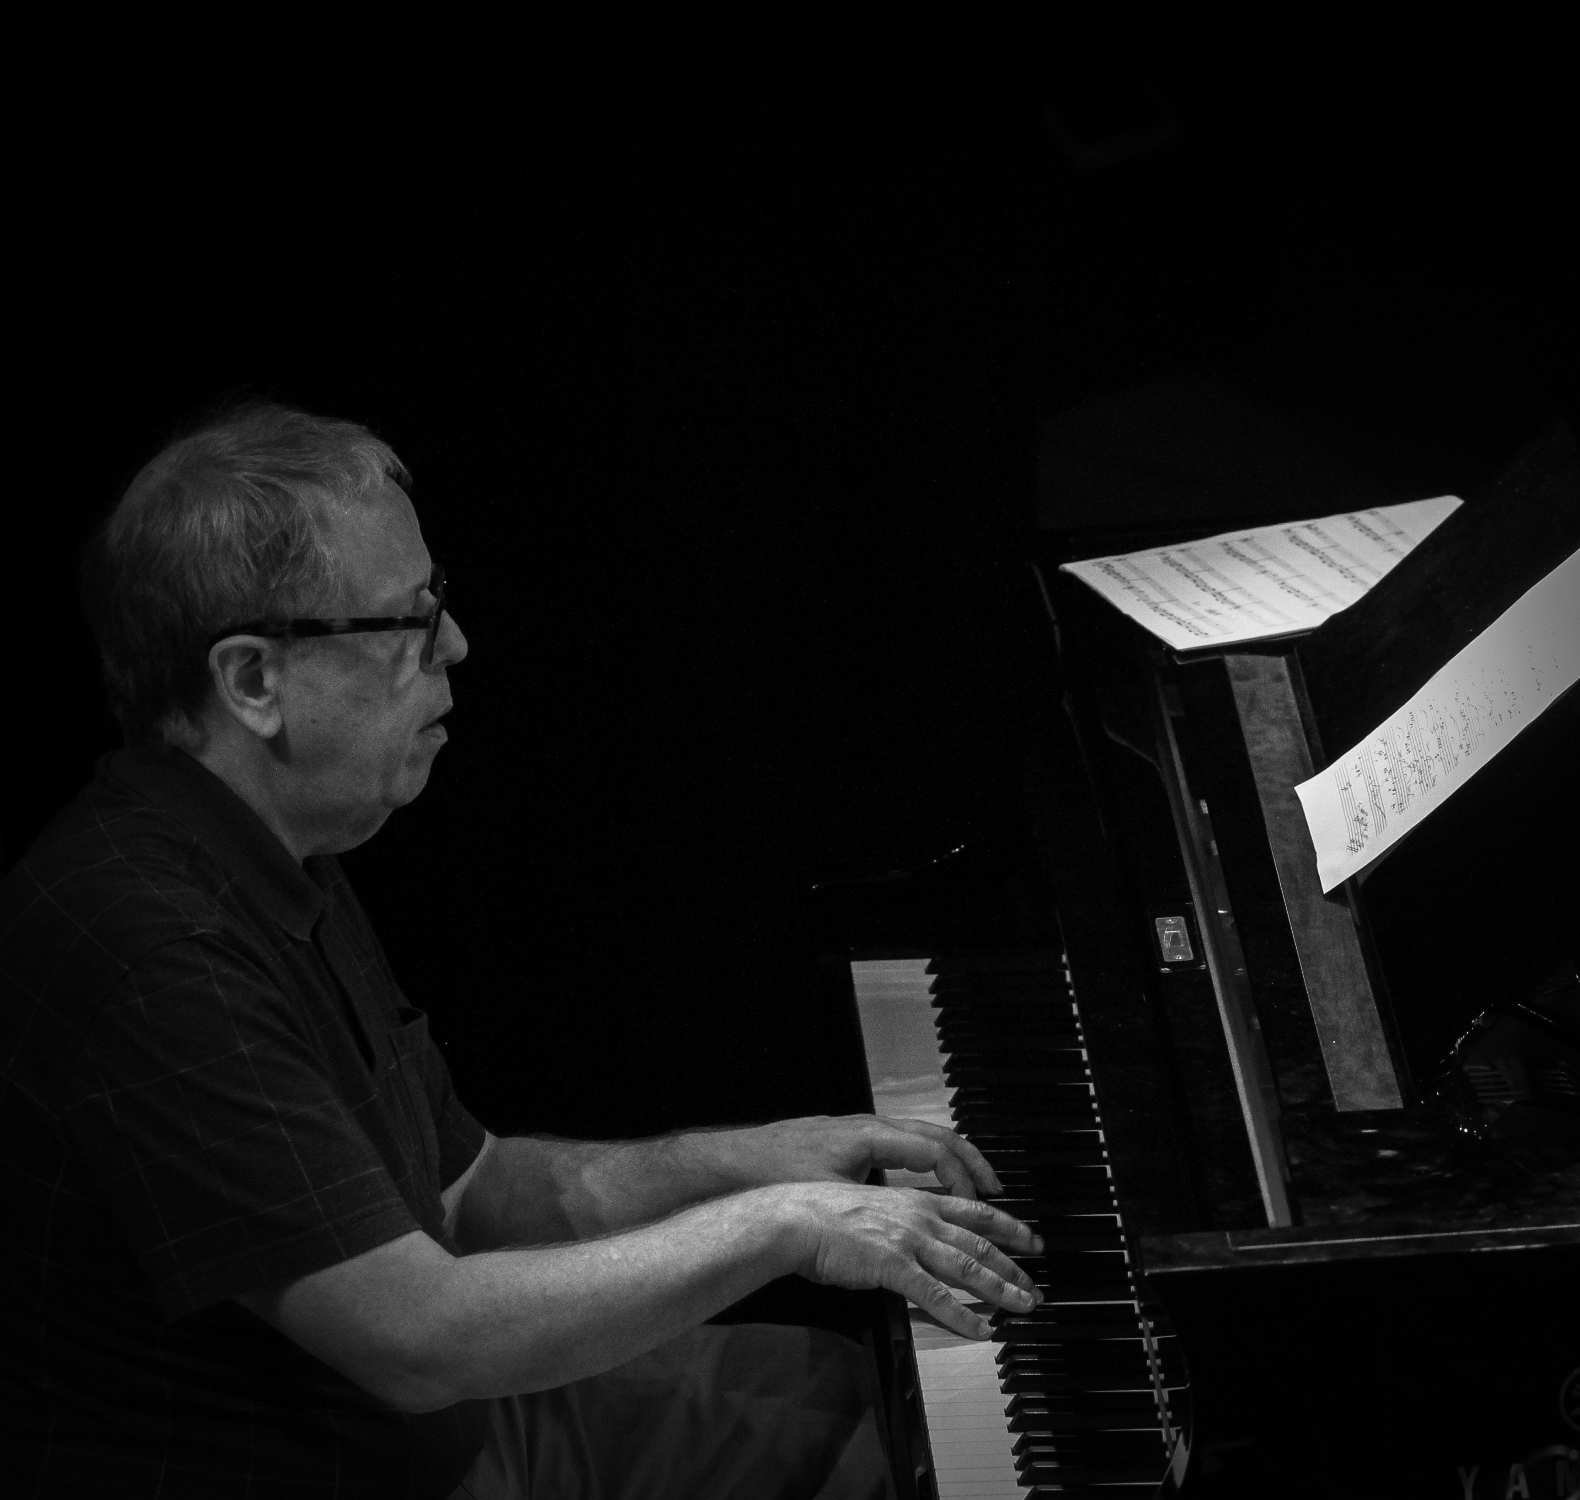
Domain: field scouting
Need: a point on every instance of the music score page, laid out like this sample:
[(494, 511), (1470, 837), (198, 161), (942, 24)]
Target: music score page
[(1472, 707), (1264, 582)]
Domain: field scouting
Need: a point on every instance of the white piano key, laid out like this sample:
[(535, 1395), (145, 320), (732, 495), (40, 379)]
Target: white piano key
[(964, 1410), (962, 1401)]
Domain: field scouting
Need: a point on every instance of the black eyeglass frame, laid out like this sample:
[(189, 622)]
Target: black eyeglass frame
[(354, 624)]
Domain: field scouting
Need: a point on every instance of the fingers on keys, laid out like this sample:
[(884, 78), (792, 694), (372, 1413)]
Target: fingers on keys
[(935, 1299), (961, 1168), (963, 1257), (989, 1222), (980, 1174)]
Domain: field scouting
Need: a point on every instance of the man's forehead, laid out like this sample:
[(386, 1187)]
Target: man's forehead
[(381, 542)]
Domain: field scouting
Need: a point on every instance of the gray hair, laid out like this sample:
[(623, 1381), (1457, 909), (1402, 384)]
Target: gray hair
[(228, 524)]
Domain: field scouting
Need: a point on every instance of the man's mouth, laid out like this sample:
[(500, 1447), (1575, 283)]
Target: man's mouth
[(433, 723)]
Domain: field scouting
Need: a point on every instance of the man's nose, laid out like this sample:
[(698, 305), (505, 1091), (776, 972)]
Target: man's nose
[(449, 646)]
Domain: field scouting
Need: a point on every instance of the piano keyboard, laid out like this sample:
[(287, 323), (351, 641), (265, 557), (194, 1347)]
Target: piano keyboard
[(1076, 1397)]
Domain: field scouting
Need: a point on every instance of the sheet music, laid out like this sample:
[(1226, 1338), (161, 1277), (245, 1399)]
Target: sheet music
[(1268, 581), (1474, 706)]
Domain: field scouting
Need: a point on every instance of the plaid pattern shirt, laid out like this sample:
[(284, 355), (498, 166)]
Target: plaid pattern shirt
[(210, 1082)]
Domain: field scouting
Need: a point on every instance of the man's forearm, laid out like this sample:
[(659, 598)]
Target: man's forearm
[(421, 1328), (525, 1320), (535, 1190)]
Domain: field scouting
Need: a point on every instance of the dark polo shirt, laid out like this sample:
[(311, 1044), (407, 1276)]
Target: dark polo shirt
[(209, 1082)]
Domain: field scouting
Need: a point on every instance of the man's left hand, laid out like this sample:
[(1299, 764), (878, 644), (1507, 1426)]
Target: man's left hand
[(847, 1148)]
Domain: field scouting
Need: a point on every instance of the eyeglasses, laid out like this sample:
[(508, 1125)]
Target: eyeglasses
[(361, 625)]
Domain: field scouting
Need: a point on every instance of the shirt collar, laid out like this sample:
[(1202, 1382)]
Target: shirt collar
[(227, 827)]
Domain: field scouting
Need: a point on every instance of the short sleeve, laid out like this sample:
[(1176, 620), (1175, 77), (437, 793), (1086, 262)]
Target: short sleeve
[(206, 1112)]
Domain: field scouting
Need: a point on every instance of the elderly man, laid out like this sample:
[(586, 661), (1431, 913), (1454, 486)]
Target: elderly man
[(253, 1242)]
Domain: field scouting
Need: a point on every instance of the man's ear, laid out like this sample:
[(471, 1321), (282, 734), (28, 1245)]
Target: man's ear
[(246, 671)]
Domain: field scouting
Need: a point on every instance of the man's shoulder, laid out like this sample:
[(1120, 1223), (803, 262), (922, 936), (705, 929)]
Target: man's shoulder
[(111, 878)]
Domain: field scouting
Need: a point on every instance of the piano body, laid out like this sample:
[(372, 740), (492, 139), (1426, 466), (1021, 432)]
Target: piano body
[(1308, 1167)]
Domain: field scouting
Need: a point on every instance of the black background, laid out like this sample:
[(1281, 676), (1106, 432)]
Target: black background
[(707, 376)]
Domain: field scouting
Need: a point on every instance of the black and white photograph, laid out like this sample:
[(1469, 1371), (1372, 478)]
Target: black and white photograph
[(823, 758)]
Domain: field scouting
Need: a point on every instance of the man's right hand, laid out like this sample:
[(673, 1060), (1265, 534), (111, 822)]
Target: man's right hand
[(420, 1328), (914, 1243)]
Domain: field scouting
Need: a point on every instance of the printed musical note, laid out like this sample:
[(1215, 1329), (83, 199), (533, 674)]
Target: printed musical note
[(1471, 708), (1273, 580)]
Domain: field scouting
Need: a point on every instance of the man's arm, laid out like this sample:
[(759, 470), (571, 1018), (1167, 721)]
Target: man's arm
[(532, 1190), (420, 1328)]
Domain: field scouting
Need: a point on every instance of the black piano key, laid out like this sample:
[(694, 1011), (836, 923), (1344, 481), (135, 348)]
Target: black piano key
[(1121, 1449), (1036, 1484), (1102, 1476), (1064, 1238), (1026, 1372), (1104, 1491), (1098, 1371), (1144, 1443), (1058, 1329), (1073, 1354), (1083, 1327), (1065, 1382), (1083, 1294), (989, 968), (1001, 1122), (1088, 1193), (1070, 1139), (1056, 1261), (1101, 1463), (1087, 1140), (1006, 1082), (1044, 983), (966, 1066), (1039, 996), (1050, 1177), (965, 1051), (1091, 1196), (1012, 1052), (970, 1086), (1053, 1180), (1056, 1106), (1001, 1022), (964, 997), (1055, 1338), (1010, 1011), (1008, 1014), (1055, 1184), (1025, 1199), (1075, 1426), (956, 970), (1080, 1411), (1077, 1372)]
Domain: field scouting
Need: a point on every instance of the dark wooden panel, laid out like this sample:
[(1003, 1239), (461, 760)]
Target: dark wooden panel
[(1368, 660)]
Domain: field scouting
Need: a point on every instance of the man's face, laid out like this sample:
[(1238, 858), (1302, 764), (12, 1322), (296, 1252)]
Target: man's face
[(359, 734)]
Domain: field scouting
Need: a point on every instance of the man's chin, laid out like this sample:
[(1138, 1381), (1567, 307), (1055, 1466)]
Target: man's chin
[(413, 775)]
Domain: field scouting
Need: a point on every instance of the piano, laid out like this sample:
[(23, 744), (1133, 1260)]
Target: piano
[(1308, 1167)]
